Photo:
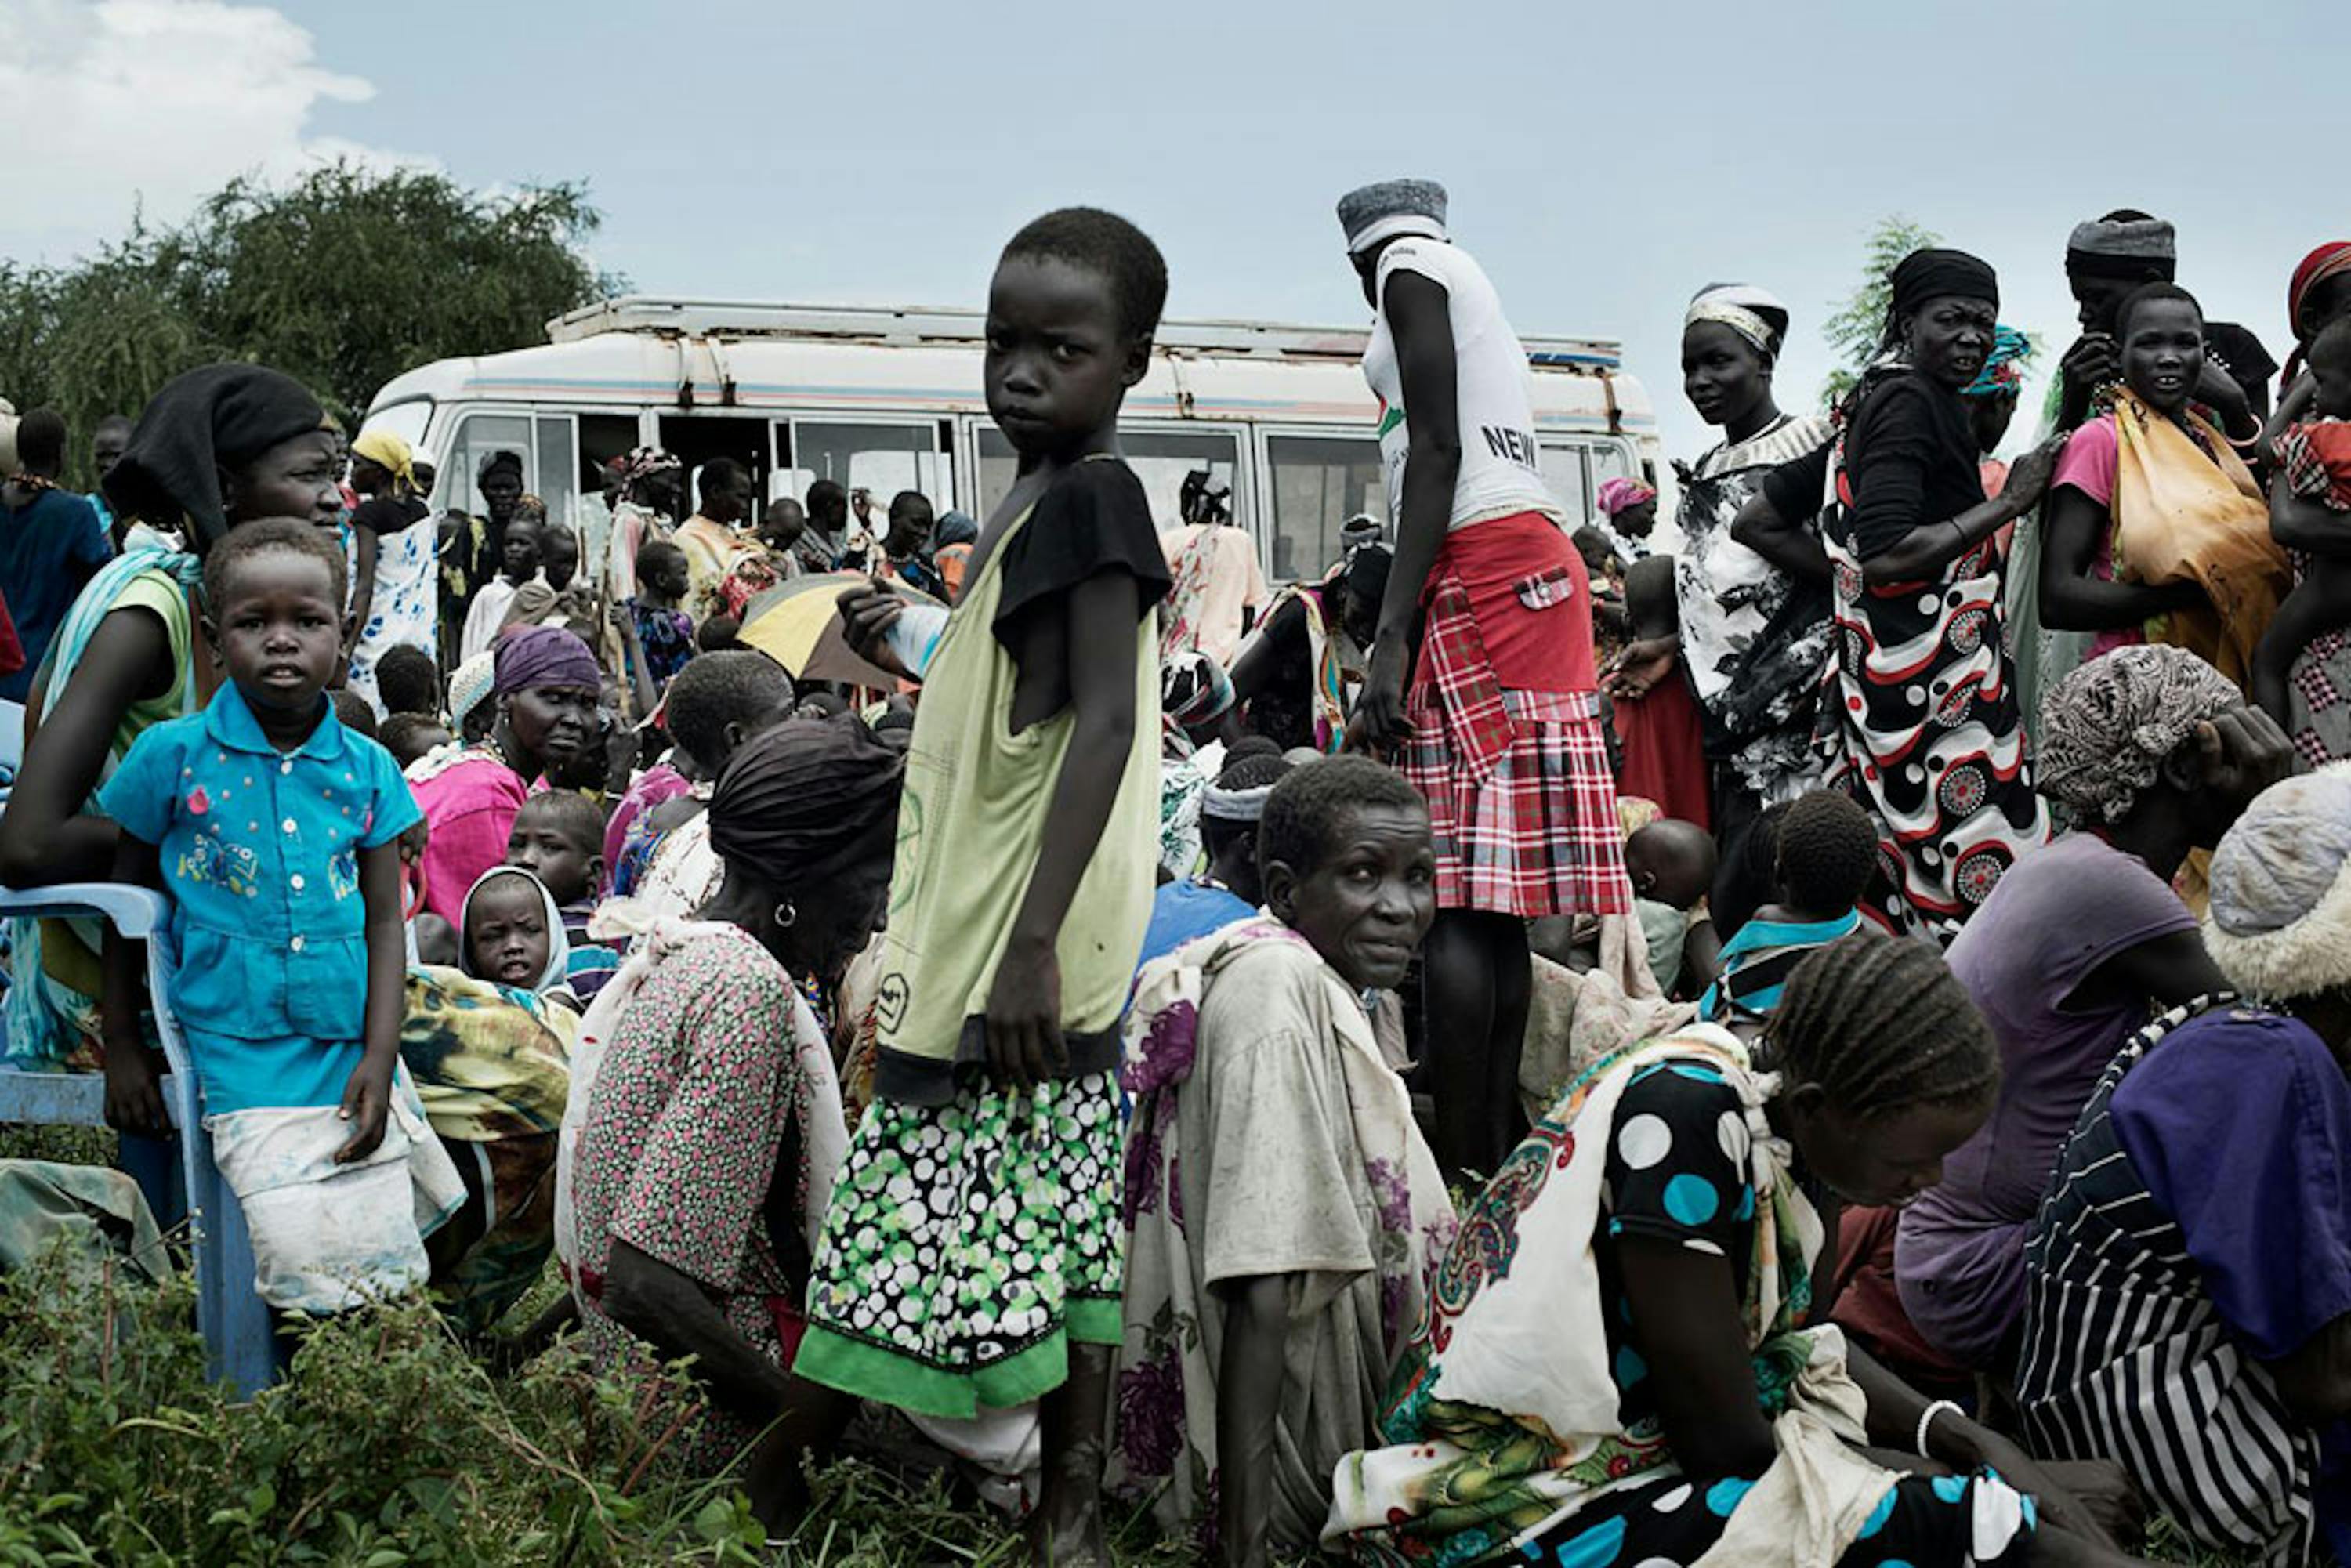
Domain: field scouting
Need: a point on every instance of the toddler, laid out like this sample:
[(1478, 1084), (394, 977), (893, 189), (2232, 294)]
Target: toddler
[(558, 838), (274, 831)]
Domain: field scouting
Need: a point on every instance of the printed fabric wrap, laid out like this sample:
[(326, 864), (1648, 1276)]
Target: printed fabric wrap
[(1166, 1404), (493, 1073), (2187, 509), (1489, 1445), (821, 1125), (1322, 657)]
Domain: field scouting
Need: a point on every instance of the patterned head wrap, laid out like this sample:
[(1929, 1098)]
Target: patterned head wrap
[(642, 462), (2003, 369), (470, 685), (2107, 728), (544, 656), (2126, 248), (2329, 260), (2281, 917), (391, 453), (1622, 494), (808, 800), (1391, 208), (1755, 314)]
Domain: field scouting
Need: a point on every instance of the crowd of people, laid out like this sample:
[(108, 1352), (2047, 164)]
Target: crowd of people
[(1824, 1043)]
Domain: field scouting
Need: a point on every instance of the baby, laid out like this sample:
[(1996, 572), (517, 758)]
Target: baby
[(1823, 848), (2313, 466), (1672, 864)]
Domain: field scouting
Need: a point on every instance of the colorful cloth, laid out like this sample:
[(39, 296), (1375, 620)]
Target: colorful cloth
[(656, 784), (969, 1245), (469, 798), (1217, 583), (406, 608), (1920, 726), (590, 965), (1505, 742), (2315, 458), (2187, 509), (1754, 638), (1268, 1138), (52, 1004), (2197, 1229), (977, 799), (260, 858), (711, 551), (1757, 960), (492, 1069), (1664, 752), (666, 637), (1490, 1449), (684, 874), (1320, 707), (702, 1072)]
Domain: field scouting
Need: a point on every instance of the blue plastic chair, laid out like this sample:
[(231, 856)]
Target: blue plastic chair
[(230, 1314)]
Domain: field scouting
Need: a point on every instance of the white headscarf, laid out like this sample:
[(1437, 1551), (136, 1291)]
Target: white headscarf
[(559, 944)]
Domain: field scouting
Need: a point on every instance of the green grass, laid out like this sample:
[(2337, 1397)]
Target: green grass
[(393, 1446)]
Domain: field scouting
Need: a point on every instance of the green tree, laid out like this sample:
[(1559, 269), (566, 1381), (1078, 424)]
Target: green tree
[(1857, 329), (343, 279)]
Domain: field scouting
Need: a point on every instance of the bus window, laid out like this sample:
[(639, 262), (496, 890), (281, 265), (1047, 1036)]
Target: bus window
[(1563, 471), (478, 435), (1611, 461), (1159, 458), (558, 468), (1318, 482), (882, 459)]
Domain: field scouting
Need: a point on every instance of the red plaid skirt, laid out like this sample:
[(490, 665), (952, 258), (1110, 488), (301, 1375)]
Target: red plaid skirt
[(1539, 837)]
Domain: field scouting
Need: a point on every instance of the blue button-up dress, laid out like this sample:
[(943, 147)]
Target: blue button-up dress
[(260, 858)]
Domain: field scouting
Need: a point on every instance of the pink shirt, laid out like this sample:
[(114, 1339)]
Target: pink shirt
[(469, 807), (2089, 464)]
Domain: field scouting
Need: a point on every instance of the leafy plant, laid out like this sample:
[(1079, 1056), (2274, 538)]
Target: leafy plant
[(1856, 329)]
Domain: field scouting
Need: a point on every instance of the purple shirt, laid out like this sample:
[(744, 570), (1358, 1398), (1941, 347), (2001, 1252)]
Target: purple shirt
[(2058, 913)]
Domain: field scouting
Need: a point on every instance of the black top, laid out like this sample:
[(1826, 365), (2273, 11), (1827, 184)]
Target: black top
[(1910, 460), (1093, 518), (389, 514)]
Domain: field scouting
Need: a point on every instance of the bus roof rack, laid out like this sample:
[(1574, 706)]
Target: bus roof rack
[(917, 325)]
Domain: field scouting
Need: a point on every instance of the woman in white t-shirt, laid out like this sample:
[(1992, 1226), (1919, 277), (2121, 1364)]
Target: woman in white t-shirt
[(1481, 678)]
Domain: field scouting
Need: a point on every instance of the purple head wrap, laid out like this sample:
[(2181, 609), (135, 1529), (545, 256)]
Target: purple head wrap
[(545, 656)]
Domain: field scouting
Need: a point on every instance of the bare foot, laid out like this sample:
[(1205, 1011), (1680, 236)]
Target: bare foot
[(1069, 1535)]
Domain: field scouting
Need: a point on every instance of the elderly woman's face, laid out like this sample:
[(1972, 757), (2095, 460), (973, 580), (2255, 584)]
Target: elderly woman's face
[(554, 724), (1370, 900), (1949, 337)]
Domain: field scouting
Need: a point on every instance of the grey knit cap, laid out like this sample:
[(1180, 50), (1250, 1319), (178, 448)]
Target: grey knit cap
[(1373, 213)]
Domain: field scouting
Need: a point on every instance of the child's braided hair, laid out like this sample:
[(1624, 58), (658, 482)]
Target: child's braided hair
[(1881, 1024)]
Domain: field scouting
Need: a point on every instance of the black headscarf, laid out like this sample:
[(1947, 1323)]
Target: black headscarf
[(221, 416), (806, 800), (1925, 275)]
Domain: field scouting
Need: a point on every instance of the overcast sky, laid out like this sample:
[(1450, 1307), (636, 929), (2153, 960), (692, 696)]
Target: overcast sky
[(1604, 160)]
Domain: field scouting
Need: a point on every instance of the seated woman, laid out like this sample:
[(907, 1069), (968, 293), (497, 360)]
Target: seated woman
[(712, 1126), (2151, 754), (1282, 1211), (2188, 1300), (1621, 1361), (1291, 678), (546, 687), (2155, 530)]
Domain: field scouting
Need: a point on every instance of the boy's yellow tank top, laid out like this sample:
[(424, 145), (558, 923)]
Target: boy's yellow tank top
[(971, 826)]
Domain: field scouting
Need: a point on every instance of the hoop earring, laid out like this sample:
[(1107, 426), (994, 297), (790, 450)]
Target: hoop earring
[(785, 913)]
